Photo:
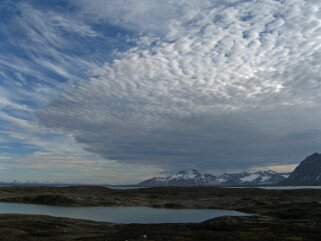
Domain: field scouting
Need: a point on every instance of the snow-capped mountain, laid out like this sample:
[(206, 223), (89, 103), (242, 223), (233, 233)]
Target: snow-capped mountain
[(195, 178), (255, 178), (182, 178)]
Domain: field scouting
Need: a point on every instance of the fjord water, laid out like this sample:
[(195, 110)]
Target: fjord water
[(290, 187), (120, 214)]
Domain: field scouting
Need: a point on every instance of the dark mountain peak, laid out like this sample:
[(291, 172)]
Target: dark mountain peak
[(181, 172), (314, 159), (315, 156), (307, 173), (188, 171)]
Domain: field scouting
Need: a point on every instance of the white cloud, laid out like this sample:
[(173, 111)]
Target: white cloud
[(40, 49), (220, 83), (140, 16)]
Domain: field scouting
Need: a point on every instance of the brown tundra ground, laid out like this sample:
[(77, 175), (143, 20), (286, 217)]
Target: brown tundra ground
[(280, 214)]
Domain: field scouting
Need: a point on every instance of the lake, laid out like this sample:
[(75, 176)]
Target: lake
[(122, 215), (262, 187), (290, 187), (124, 187)]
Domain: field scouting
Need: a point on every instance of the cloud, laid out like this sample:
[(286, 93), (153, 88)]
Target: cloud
[(220, 84), (150, 16), (44, 49)]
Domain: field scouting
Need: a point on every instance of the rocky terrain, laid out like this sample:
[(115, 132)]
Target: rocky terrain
[(195, 178), (256, 228), (279, 215), (249, 199)]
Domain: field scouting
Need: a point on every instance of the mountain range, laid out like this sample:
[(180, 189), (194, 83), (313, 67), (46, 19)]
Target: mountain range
[(196, 178), (308, 172)]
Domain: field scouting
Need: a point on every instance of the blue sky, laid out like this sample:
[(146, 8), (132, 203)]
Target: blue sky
[(108, 91)]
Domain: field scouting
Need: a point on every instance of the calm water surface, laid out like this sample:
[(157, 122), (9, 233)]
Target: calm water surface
[(125, 187), (120, 214), (291, 187)]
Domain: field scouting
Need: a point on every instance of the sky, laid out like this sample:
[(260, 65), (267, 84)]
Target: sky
[(117, 91)]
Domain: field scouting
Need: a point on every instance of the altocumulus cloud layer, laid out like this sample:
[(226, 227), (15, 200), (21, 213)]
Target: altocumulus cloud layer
[(209, 84)]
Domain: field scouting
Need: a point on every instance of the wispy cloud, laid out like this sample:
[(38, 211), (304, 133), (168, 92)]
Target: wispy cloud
[(143, 16), (42, 51)]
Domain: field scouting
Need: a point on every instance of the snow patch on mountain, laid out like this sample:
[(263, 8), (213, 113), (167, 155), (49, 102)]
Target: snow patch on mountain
[(249, 178)]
